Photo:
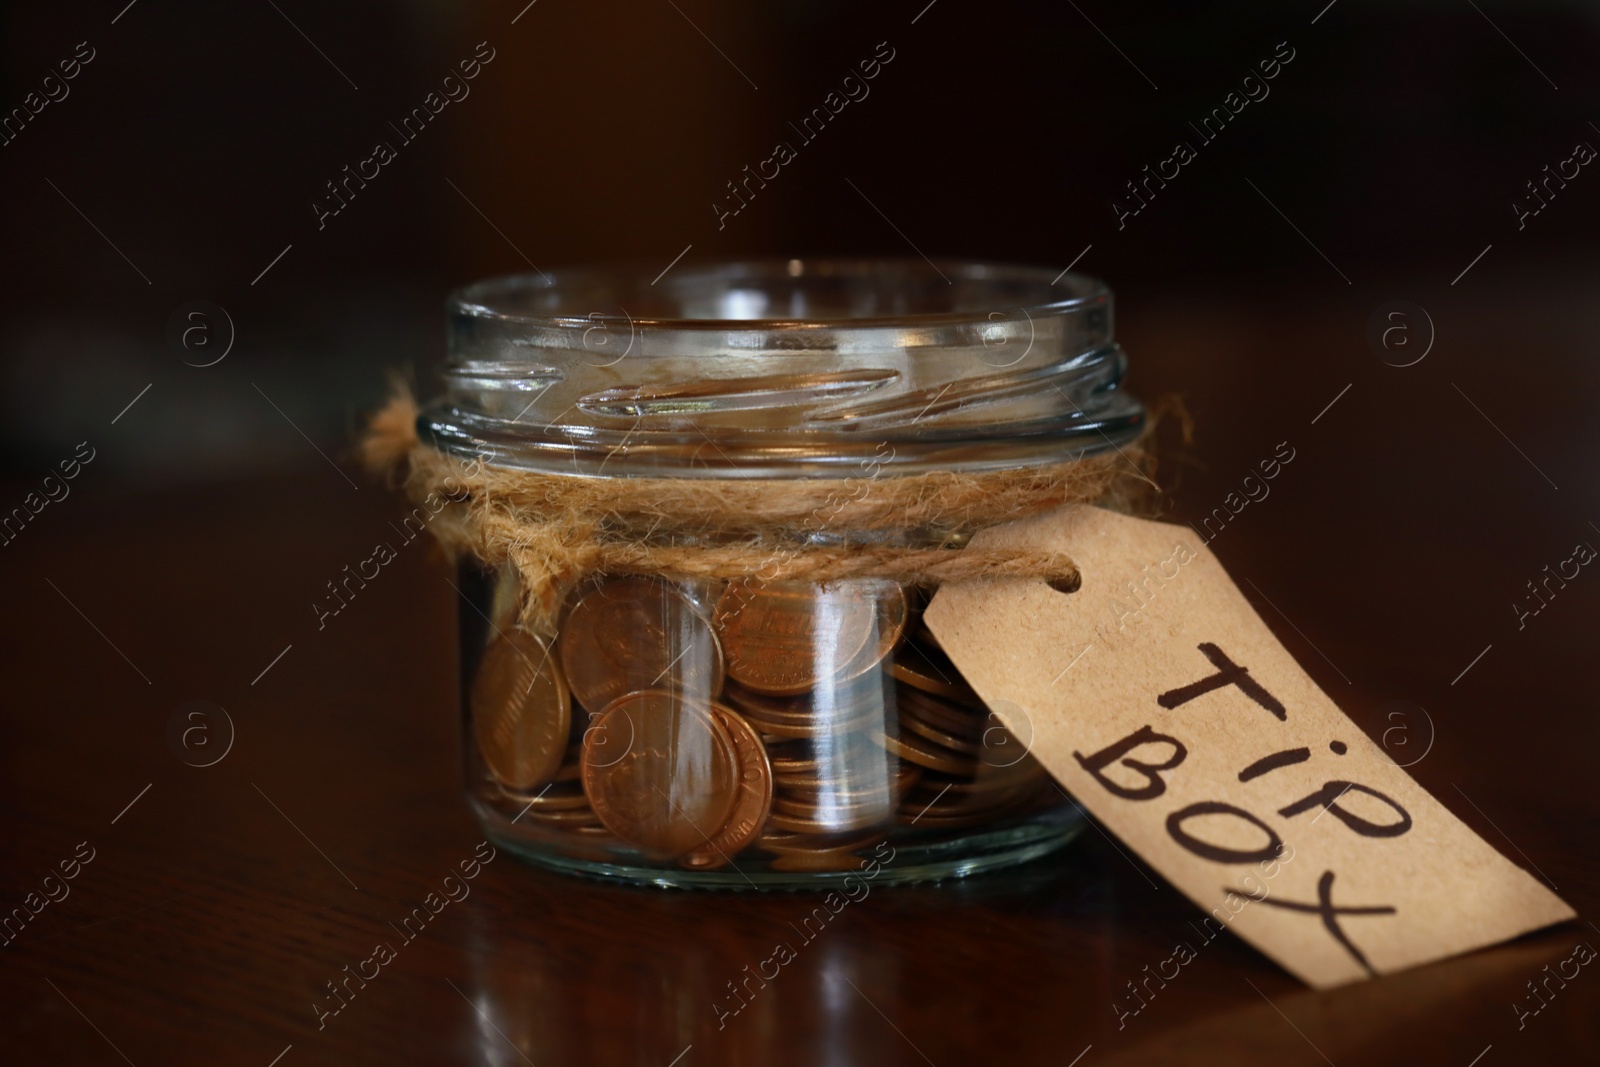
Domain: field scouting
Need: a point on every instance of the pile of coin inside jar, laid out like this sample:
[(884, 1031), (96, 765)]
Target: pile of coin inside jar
[(701, 724)]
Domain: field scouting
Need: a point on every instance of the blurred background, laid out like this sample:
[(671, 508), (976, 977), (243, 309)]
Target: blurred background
[(164, 157), (185, 161)]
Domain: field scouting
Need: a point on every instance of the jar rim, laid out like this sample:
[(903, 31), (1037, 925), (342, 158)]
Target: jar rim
[(965, 366), (498, 298)]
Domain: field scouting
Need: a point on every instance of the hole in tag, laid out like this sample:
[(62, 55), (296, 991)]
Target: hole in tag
[(1066, 585)]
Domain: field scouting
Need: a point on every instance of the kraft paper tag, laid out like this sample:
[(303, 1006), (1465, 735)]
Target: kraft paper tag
[(1159, 699)]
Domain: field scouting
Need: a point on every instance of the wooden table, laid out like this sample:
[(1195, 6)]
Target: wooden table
[(220, 900)]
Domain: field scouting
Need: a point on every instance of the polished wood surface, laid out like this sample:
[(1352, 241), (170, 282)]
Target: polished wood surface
[(219, 905)]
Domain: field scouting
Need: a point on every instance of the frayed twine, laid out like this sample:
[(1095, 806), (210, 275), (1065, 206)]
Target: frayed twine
[(557, 529)]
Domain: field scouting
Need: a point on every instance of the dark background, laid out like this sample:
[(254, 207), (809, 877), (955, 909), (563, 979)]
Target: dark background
[(1387, 557), (201, 133)]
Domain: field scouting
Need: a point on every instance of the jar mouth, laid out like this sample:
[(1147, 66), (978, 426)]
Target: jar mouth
[(815, 294), (780, 368)]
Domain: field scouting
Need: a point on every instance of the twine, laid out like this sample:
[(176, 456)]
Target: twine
[(557, 529)]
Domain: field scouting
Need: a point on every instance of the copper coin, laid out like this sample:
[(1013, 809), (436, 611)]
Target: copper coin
[(826, 823), (889, 604), (754, 801), (967, 722), (800, 718), (782, 842), (814, 731), (1028, 768), (806, 787), (932, 674), (842, 811), (914, 749), (837, 860), (824, 702), (949, 803), (661, 772), (785, 638), (934, 821), (551, 799), (628, 634), (942, 738), (988, 780), (792, 757), (577, 817), (520, 711)]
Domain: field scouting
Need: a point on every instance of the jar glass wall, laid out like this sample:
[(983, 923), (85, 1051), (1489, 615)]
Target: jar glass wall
[(747, 730)]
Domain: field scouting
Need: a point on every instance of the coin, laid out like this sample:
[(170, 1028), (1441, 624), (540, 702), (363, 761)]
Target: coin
[(520, 711), (815, 730), (826, 701), (629, 634), (793, 757), (931, 673), (830, 811), (935, 821), (946, 802), (785, 638), (847, 787), (676, 780), (569, 820), (916, 750), (825, 823), (781, 841), (889, 606), (964, 721), (550, 799), (826, 712), (942, 738), (835, 860), (754, 802)]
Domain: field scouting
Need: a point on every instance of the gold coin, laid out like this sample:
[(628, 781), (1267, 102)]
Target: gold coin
[(785, 638), (629, 634), (754, 801), (520, 712), (916, 750), (932, 674), (661, 772)]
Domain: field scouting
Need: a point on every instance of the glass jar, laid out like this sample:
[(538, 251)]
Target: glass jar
[(740, 731)]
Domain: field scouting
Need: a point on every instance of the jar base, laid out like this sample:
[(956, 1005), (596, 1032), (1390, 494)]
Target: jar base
[(917, 856)]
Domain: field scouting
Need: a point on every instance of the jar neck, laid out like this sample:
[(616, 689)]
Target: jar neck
[(883, 370)]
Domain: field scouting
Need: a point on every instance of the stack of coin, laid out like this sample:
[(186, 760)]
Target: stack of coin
[(801, 722), (976, 771)]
